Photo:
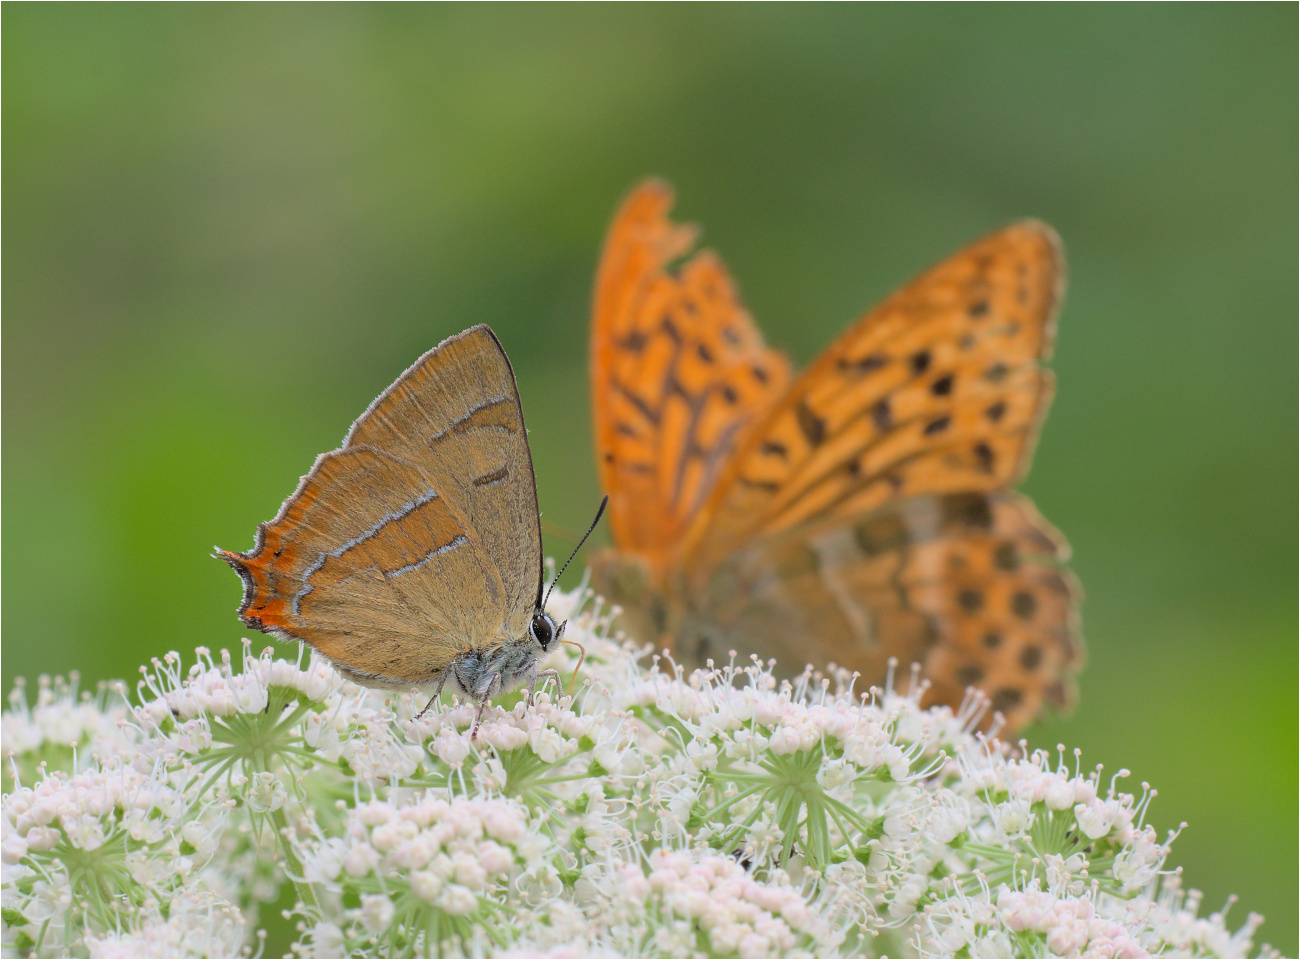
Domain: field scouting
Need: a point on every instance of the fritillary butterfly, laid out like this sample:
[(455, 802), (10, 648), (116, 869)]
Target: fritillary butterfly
[(859, 512)]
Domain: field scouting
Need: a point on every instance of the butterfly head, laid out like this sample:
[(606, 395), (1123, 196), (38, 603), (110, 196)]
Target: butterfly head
[(543, 630)]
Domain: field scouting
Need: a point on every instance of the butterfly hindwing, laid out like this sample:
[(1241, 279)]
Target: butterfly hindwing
[(969, 585), (679, 372)]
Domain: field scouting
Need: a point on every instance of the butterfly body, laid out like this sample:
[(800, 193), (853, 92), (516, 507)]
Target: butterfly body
[(481, 674), (412, 556), (859, 512)]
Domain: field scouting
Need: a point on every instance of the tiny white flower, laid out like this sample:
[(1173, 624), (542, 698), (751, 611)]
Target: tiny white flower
[(327, 939), (426, 885), (266, 793), (360, 860), (14, 848), (540, 882), (1096, 818), (1013, 817), (376, 913), (457, 900)]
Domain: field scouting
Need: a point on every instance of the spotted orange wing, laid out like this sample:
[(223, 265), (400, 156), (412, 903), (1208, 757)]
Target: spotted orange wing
[(867, 514), (678, 371), (969, 585), (939, 389)]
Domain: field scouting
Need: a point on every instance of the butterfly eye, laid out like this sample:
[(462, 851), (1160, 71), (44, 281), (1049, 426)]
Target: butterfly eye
[(542, 630)]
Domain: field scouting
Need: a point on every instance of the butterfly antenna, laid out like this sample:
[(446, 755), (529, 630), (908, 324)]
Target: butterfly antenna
[(599, 514)]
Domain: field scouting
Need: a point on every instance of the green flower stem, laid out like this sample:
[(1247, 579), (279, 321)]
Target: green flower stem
[(293, 866)]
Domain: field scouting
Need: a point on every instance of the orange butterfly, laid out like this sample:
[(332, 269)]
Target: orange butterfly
[(859, 512)]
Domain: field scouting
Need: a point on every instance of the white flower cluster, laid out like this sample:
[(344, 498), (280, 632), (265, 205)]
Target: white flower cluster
[(270, 805)]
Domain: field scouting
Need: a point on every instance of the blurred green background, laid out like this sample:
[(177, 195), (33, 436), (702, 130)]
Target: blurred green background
[(228, 227)]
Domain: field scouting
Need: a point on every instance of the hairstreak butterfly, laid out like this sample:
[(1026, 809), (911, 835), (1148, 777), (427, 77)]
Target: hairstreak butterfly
[(412, 555), (860, 512)]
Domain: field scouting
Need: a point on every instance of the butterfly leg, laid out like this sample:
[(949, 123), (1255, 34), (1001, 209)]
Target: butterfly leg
[(532, 689), (436, 694), (493, 689)]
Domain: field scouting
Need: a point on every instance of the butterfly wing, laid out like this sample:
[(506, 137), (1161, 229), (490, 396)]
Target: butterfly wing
[(459, 420), (678, 371), (969, 585), (866, 515), (419, 537), (939, 389)]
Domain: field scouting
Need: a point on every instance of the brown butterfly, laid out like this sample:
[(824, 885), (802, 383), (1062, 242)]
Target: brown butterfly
[(860, 512), (412, 556)]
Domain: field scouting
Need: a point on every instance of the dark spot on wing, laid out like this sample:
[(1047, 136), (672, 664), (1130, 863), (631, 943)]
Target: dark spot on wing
[(774, 447), (921, 362), (969, 675), (1024, 605), (768, 485), (996, 373), (932, 635), (635, 341), (970, 599), (984, 456), (730, 335), (1008, 698), (880, 414), (978, 309), (971, 509), (642, 407), (760, 374), (673, 385), (1006, 557), (812, 426), (881, 534), (942, 387), (937, 425), (704, 353), (500, 473), (867, 364), (729, 394), (996, 411), (625, 429), (1031, 657), (992, 640), (667, 326)]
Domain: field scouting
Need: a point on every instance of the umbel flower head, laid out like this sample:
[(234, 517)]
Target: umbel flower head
[(653, 813)]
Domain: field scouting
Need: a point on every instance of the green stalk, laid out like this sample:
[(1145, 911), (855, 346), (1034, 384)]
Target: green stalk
[(293, 866)]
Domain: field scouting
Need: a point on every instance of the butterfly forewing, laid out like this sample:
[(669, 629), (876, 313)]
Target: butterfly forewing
[(416, 540), (455, 415), (678, 373), (939, 389)]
